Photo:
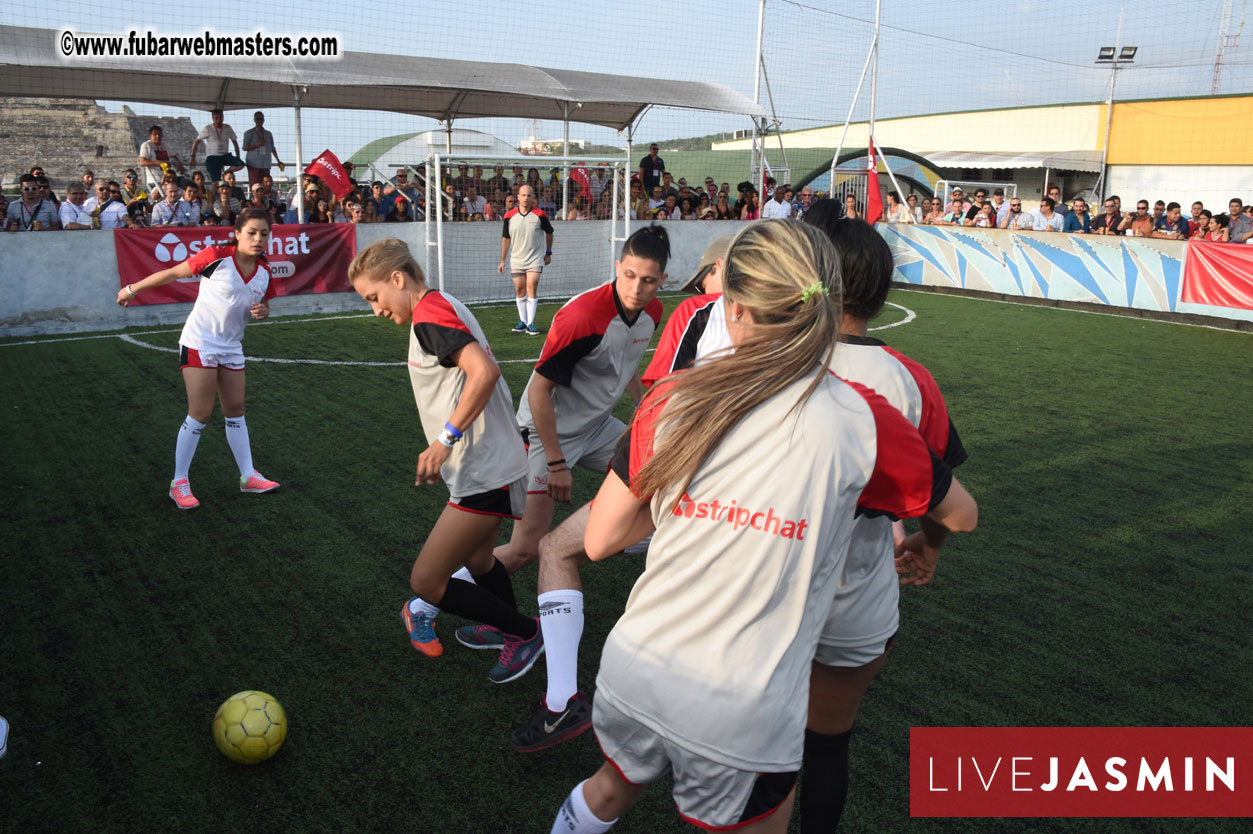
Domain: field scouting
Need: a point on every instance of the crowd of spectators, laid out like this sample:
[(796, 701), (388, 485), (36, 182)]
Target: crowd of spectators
[(1163, 220), (160, 191)]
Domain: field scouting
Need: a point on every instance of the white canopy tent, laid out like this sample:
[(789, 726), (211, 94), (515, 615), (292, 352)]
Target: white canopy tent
[(31, 64)]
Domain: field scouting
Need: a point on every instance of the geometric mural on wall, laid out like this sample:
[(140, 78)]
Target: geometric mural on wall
[(1099, 269)]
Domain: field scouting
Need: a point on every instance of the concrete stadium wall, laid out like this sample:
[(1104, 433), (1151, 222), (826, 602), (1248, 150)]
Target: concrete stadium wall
[(1118, 272), (67, 282)]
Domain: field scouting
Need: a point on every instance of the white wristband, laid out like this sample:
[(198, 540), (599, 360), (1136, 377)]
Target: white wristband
[(447, 438)]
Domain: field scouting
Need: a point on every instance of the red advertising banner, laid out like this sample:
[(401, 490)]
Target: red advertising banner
[(1081, 772), (310, 258), (1218, 274)]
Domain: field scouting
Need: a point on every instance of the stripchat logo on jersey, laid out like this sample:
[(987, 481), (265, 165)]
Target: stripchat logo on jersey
[(1080, 772), (741, 517)]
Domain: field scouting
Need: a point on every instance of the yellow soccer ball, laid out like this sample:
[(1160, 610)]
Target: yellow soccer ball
[(249, 727)]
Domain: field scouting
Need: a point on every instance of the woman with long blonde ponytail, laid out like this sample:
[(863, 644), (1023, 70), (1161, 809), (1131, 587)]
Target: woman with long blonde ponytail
[(750, 469)]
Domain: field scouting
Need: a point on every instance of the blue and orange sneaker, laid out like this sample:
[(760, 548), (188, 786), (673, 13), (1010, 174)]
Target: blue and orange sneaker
[(421, 628), (518, 656)]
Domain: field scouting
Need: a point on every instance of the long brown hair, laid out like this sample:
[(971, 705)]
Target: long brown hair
[(770, 269)]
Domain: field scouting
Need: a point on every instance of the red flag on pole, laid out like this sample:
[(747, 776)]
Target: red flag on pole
[(578, 174), (874, 201), (327, 167)]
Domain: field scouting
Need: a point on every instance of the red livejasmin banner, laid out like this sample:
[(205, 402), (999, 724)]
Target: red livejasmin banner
[(1081, 771), (309, 258), (1218, 274)]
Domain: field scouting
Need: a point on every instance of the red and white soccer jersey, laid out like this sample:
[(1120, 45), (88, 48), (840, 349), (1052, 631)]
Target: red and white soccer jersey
[(714, 649), (864, 613), (591, 351), (527, 233), (226, 295), (697, 327), (490, 454)]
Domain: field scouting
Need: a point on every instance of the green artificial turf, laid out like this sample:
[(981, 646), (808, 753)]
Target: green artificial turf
[(1110, 457)]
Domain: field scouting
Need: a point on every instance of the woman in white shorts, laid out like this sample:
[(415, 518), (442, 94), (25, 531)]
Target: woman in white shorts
[(234, 284), (752, 492)]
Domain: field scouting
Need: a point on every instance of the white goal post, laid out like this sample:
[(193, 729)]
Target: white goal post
[(462, 256)]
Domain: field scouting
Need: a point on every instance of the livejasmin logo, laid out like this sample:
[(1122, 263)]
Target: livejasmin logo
[(1023, 773), (1081, 771)]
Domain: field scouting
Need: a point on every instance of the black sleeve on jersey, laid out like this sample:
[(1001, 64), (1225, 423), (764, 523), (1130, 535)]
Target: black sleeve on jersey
[(621, 463), (505, 233), (954, 452), (685, 355), (545, 225), (560, 366), (941, 482), (441, 341)]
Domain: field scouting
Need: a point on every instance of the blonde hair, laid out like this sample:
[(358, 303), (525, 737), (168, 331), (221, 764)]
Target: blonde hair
[(768, 269), (381, 258)]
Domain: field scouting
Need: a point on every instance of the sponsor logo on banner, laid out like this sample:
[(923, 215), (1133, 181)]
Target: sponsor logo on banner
[(1080, 772), (312, 258)]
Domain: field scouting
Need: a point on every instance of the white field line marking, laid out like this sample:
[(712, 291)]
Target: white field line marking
[(1075, 310), (910, 315)]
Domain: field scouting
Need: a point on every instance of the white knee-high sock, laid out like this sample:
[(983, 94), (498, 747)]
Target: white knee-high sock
[(521, 302), (185, 446), (237, 437), (531, 304), (575, 817), (561, 620), (417, 605)]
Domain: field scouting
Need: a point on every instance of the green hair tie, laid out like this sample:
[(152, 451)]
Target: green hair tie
[(812, 290)]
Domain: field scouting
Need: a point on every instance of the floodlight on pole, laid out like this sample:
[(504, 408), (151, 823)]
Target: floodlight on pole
[(1105, 57)]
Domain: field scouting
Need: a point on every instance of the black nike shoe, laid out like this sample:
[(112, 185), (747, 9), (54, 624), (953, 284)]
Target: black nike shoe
[(547, 729)]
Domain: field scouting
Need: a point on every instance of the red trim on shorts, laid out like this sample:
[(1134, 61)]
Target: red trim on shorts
[(483, 512), (612, 763), (193, 359), (733, 826), (537, 492)]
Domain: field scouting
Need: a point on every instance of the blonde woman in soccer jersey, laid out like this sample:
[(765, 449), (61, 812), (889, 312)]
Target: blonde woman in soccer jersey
[(752, 493), (234, 284), (472, 445)]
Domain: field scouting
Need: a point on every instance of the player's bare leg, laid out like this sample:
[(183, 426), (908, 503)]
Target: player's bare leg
[(835, 693), (603, 798), (564, 713), (523, 546)]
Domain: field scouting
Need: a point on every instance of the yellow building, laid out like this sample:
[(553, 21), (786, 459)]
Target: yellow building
[(1170, 149)]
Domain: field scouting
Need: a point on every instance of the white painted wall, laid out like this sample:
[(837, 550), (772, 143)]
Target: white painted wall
[(67, 282), (1213, 185)]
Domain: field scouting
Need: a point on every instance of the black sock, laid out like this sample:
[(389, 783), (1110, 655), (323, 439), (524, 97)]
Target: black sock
[(498, 582), (465, 599), (825, 781)]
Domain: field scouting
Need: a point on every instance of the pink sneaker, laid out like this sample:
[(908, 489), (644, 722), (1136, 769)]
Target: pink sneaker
[(257, 483), (180, 491)]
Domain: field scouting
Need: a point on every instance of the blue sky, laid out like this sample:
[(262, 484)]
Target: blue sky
[(935, 57)]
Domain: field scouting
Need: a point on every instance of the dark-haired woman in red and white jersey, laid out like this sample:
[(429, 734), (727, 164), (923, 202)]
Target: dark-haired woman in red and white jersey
[(234, 284)]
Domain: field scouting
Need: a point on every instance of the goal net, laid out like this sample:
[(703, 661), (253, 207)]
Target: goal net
[(585, 199)]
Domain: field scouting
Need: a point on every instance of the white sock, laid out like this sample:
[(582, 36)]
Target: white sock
[(185, 447), (417, 605), (575, 817), (531, 304), (561, 620), (237, 437), (521, 302)]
